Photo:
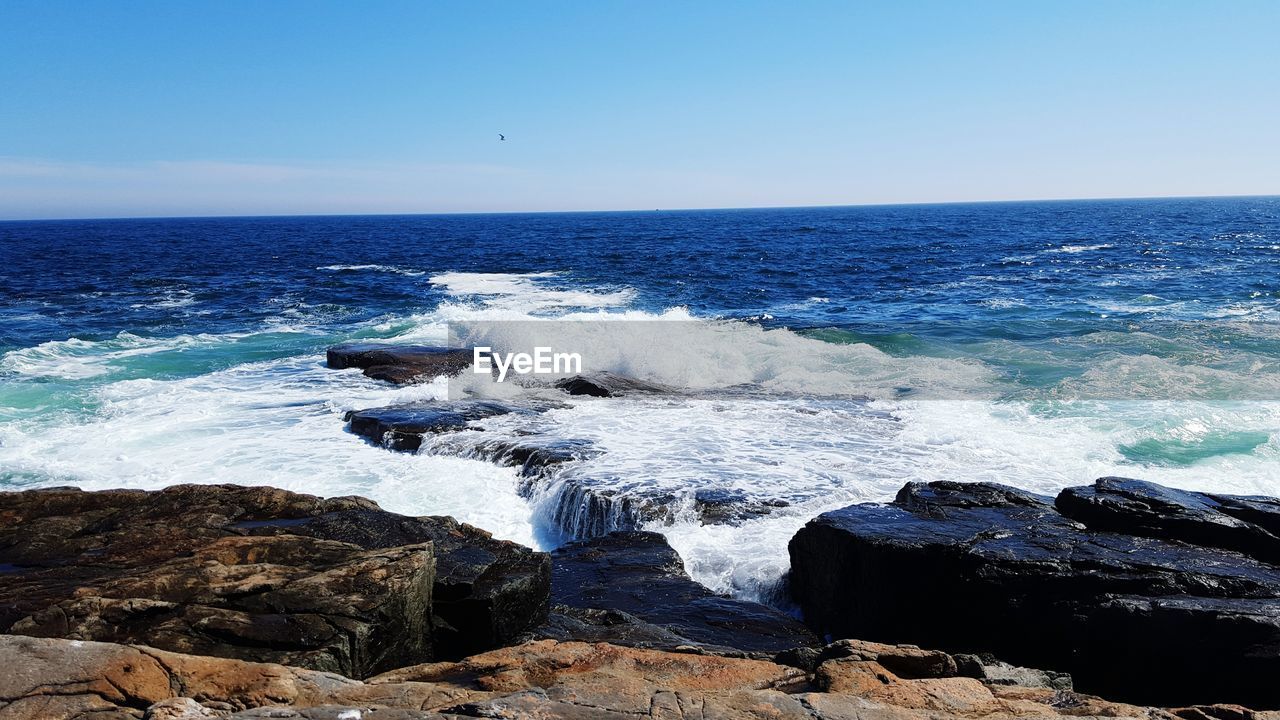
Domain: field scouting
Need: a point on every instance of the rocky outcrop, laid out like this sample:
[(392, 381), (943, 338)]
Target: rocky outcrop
[(1246, 525), (258, 573), (70, 680), (1147, 617), (403, 427), (630, 588), (400, 364), (487, 591)]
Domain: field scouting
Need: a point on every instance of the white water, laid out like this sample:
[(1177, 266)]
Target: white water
[(800, 435)]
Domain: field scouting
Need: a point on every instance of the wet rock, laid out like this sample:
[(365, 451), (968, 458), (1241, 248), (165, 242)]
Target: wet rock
[(607, 384), (638, 574), (402, 427), (533, 454), (400, 364), (982, 567), (337, 584), (725, 506), (1143, 508)]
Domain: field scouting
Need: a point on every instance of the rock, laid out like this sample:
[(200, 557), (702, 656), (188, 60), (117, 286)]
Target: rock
[(400, 364), (336, 584), (179, 708), (487, 591), (638, 575), (996, 672), (986, 568), (301, 601), (402, 427), (55, 679), (728, 506), (534, 454), (1142, 508), (582, 505), (606, 384)]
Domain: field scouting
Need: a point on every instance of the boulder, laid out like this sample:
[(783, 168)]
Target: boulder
[(487, 592), (986, 568), (400, 364), (254, 572), (631, 588)]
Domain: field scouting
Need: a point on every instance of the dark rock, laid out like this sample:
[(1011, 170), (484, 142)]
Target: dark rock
[(487, 591), (1142, 508), (986, 568), (639, 575), (582, 505), (532, 453), (607, 384), (1261, 511), (259, 573), (400, 364), (725, 506), (402, 427)]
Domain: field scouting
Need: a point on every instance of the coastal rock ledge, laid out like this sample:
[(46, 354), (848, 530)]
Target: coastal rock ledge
[(1142, 593), (54, 679), (257, 573)]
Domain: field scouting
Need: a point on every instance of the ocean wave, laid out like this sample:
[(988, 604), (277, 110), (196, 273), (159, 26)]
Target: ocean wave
[(76, 359), (1074, 249), (373, 268), (528, 292), (79, 359)]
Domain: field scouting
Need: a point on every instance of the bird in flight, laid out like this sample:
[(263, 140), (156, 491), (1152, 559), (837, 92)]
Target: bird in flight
[(501, 136)]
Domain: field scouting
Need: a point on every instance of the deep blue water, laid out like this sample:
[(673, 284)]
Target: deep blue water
[(1039, 344), (942, 269)]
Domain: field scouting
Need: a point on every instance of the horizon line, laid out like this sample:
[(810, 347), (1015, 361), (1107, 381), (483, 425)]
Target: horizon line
[(464, 213)]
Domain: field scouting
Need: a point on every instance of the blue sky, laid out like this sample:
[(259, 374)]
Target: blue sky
[(130, 108)]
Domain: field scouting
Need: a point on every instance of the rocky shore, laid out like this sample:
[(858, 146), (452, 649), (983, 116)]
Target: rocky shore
[(224, 601), (956, 600), (1140, 592)]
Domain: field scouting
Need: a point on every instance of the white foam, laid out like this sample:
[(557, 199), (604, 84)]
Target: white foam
[(373, 268), (1073, 249), (76, 359), (527, 293), (270, 423)]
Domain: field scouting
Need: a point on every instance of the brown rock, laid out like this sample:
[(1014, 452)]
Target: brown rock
[(70, 680), (259, 573)]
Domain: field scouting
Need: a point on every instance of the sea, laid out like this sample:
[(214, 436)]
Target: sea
[(824, 356)]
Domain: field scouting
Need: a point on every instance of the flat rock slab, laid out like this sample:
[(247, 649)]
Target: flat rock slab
[(403, 427), (986, 568), (400, 364), (631, 588), (254, 572)]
